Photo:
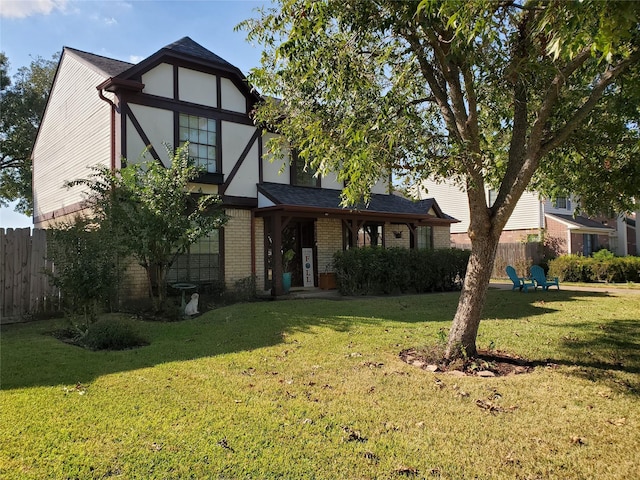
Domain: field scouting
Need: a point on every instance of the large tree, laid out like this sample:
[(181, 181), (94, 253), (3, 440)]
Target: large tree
[(22, 104), (502, 94)]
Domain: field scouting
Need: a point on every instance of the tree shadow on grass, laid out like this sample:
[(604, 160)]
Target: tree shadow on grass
[(30, 357), (604, 352)]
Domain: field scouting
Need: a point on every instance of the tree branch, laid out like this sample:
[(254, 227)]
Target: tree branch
[(583, 111)]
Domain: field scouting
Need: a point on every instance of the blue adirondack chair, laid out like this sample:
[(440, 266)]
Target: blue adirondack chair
[(519, 282), (541, 280)]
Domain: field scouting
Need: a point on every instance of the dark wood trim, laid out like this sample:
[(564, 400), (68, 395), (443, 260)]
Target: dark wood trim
[(243, 202), (218, 92), (297, 210), (176, 85), (260, 159), (241, 159), (210, 178), (69, 209), (190, 108), (128, 113)]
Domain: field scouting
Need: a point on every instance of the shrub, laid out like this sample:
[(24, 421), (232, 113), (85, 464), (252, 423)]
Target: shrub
[(604, 267), (375, 270), (112, 334)]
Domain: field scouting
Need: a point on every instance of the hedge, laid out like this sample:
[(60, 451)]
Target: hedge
[(375, 270), (574, 268)]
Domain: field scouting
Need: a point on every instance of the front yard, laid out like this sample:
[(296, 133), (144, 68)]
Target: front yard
[(316, 389)]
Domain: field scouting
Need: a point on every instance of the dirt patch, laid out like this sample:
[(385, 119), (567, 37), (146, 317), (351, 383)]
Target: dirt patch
[(487, 363)]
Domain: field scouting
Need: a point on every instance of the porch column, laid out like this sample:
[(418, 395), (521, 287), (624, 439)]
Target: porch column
[(621, 227), (277, 288)]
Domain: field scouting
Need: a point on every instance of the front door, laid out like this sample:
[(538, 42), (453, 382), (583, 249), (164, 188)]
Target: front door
[(299, 234)]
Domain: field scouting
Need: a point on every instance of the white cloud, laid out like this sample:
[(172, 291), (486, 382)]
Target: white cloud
[(135, 58), (27, 8), (110, 21)]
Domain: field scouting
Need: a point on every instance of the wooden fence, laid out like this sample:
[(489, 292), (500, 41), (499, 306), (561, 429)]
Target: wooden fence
[(25, 289), (519, 255)]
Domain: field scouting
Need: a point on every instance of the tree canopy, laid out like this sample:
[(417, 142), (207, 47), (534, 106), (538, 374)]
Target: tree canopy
[(22, 103), (503, 94)]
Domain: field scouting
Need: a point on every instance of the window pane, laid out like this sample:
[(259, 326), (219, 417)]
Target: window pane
[(211, 138), (184, 120), (211, 125), (202, 123), (193, 122), (184, 133)]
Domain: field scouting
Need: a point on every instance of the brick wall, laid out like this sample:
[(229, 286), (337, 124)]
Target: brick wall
[(556, 236), (390, 240), (441, 237), (329, 238), (237, 246)]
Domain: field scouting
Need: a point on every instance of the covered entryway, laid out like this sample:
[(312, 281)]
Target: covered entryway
[(311, 220)]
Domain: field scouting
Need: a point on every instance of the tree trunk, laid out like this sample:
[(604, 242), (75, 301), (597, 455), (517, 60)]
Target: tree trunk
[(462, 336)]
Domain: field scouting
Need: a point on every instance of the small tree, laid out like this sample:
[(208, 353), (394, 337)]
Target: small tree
[(154, 212), (87, 268)]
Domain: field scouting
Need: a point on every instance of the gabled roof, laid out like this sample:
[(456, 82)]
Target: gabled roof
[(580, 223), (185, 49), (108, 66), (186, 46), (291, 196)]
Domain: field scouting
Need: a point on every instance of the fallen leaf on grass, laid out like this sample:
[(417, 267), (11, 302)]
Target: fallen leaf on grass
[(353, 435), (618, 422), (224, 444), (156, 446), (578, 440), (371, 456), (408, 471), (372, 364)]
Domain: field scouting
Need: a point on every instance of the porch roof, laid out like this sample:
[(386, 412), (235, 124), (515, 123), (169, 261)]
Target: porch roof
[(581, 223), (322, 201)]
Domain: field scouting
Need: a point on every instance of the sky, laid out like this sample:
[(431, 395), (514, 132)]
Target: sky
[(128, 30)]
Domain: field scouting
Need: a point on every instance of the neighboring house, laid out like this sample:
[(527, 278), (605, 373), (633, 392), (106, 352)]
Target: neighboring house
[(535, 218), (102, 110)]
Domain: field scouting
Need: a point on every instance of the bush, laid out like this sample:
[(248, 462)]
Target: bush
[(375, 270), (602, 267), (112, 334)]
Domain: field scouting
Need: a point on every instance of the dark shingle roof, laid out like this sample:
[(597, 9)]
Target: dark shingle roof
[(186, 46), (580, 221), (109, 66), (282, 194)]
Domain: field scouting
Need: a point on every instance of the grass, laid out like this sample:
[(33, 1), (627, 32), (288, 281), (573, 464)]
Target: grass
[(314, 389)]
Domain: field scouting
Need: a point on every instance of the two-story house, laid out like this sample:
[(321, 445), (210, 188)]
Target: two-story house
[(101, 111), (535, 218)]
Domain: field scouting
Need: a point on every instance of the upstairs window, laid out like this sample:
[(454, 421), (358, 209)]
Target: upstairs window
[(302, 174), (200, 132), (562, 202)]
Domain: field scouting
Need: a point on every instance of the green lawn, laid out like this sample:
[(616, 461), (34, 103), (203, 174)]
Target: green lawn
[(315, 389)]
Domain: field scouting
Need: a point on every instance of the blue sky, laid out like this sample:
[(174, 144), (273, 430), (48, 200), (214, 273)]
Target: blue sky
[(128, 30)]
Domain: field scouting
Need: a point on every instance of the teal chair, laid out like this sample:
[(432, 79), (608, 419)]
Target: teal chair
[(541, 280), (519, 282)]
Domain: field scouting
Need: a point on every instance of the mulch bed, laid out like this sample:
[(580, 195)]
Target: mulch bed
[(487, 363)]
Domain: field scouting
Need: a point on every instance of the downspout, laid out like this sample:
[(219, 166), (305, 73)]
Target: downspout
[(113, 127)]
